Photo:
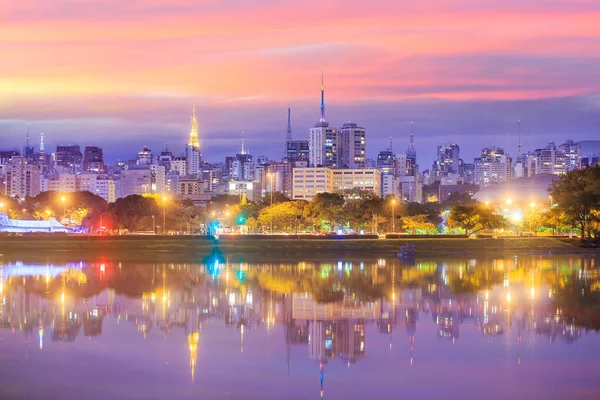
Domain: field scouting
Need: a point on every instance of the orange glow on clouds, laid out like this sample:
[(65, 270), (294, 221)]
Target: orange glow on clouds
[(273, 51)]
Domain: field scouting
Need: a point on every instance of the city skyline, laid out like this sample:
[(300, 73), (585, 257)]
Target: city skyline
[(134, 72)]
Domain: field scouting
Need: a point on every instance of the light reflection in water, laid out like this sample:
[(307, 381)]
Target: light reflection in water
[(329, 308)]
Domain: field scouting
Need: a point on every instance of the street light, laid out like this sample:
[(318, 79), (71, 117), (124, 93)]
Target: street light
[(271, 189), (63, 199), (393, 215), (164, 199)]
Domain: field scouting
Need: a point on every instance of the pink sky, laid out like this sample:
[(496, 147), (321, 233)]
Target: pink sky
[(116, 60)]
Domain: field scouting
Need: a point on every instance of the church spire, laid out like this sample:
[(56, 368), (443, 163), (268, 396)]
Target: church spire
[(322, 98), (194, 142)]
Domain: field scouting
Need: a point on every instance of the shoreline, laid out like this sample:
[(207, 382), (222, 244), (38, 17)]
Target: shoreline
[(194, 248)]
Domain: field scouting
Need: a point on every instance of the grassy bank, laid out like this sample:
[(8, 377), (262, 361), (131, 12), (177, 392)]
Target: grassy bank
[(182, 248)]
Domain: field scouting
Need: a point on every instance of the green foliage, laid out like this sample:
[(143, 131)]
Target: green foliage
[(474, 218), (577, 195)]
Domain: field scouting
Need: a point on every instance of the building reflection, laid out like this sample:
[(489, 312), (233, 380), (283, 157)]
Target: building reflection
[(328, 307)]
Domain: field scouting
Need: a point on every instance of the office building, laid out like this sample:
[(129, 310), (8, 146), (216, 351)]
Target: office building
[(93, 161), (357, 178), (68, 156), (493, 166), (352, 146)]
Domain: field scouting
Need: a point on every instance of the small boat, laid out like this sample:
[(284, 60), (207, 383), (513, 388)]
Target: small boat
[(409, 250)]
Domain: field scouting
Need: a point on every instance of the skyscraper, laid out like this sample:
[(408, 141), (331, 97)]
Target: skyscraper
[(448, 159), (352, 146), (492, 166), (68, 156), (323, 140), (192, 150), (22, 178)]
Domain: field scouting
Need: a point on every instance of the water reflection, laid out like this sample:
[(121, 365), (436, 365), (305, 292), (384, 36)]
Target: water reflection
[(324, 307)]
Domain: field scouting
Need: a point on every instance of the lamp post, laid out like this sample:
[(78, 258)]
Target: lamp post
[(271, 189), (393, 215), (63, 199), (153, 224), (164, 199)]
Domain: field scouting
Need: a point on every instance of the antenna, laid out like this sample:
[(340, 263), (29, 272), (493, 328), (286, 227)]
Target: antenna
[(391, 148), (519, 145)]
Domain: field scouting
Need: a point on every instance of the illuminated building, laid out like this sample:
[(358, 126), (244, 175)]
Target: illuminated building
[(22, 178), (493, 166), (323, 141), (192, 150), (93, 161), (352, 146)]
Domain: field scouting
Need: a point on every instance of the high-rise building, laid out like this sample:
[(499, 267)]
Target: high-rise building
[(323, 140), (572, 152), (549, 160), (68, 156), (144, 157), (493, 166), (411, 153), (93, 161), (352, 146), (448, 160), (385, 161), (22, 178), (192, 150), (297, 151)]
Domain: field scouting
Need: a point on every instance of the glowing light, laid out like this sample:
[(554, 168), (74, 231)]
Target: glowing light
[(508, 297), (63, 199), (487, 202), (62, 297), (532, 292), (532, 204), (508, 201)]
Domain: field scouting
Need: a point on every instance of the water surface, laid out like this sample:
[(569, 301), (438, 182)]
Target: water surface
[(340, 329)]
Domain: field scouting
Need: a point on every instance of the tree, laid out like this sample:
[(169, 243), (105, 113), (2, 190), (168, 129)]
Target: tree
[(327, 208), (474, 219), (554, 219), (460, 199), (417, 223), (577, 194), (135, 212)]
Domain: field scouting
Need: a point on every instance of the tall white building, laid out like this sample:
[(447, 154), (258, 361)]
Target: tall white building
[(352, 151), (106, 189), (192, 150), (22, 178), (493, 166), (159, 182), (323, 141), (549, 160)]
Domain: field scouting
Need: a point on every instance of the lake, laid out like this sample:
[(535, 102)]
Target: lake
[(218, 328)]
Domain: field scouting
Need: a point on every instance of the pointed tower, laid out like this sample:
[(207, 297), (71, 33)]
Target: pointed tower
[(411, 152), (243, 150), (519, 145), (42, 147), (194, 142), (288, 136), (192, 150), (322, 98)]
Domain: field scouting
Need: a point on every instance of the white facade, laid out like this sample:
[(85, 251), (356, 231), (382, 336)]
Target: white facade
[(493, 166), (252, 190), (135, 181), (548, 160), (323, 146), (179, 165), (158, 179), (389, 185), (22, 179), (106, 189), (307, 182), (359, 178), (193, 157)]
